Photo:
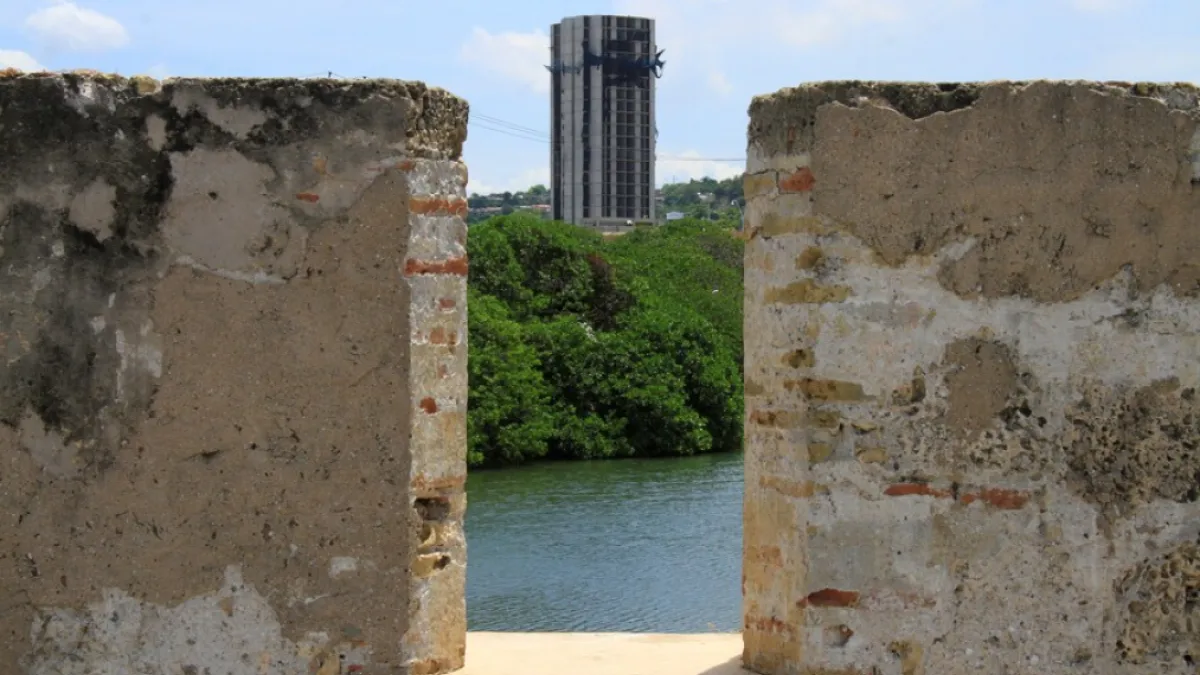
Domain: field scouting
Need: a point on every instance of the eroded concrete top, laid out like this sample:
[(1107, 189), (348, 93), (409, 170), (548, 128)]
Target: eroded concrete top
[(922, 99), (911, 168), (269, 111)]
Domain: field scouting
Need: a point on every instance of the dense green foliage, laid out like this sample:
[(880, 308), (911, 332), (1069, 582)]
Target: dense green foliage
[(582, 347)]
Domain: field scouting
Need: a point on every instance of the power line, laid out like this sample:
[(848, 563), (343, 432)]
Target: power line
[(509, 132), (530, 134), (701, 159), (501, 126), (511, 125)]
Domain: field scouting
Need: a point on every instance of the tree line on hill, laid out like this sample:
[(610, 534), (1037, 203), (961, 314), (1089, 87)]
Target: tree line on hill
[(705, 199)]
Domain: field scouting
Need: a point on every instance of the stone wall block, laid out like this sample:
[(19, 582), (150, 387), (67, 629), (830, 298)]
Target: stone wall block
[(232, 419), (972, 379)]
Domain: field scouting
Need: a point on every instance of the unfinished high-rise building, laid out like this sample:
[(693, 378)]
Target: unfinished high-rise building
[(602, 76)]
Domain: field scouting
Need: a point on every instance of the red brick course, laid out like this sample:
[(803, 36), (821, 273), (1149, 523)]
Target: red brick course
[(800, 181), (458, 266), (438, 206), (831, 597)]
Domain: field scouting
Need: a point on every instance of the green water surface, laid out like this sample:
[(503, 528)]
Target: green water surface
[(643, 545)]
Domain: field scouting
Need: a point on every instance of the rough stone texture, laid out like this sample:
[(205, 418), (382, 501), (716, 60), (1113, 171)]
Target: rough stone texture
[(973, 363), (225, 306)]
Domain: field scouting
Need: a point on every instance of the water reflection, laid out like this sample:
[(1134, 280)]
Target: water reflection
[(631, 545)]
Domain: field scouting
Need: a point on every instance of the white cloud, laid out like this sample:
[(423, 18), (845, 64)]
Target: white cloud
[(66, 25), (20, 60), (517, 182), (830, 20), (520, 57), (1148, 62), (1102, 6), (158, 72), (719, 83), (685, 166), (699, 35)]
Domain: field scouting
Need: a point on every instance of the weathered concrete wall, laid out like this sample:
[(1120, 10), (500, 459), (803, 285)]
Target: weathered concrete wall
[(232, 314), (972, 361)]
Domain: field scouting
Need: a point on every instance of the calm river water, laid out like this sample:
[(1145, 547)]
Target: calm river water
[(628, 545)]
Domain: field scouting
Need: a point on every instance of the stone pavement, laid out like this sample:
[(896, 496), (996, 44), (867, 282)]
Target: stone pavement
[(603, 654)]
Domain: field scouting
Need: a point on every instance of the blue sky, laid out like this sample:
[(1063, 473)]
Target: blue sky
[(719, 53)]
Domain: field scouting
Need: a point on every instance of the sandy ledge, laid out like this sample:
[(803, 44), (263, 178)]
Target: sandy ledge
[(603, 654)]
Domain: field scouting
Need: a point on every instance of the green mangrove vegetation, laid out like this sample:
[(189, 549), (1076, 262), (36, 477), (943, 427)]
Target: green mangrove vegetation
[(584, 347)]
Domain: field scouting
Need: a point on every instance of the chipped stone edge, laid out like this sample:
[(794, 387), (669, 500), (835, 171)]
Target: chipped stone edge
[(436, 273), (433, 107), (796, 106), (1178, 95)]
